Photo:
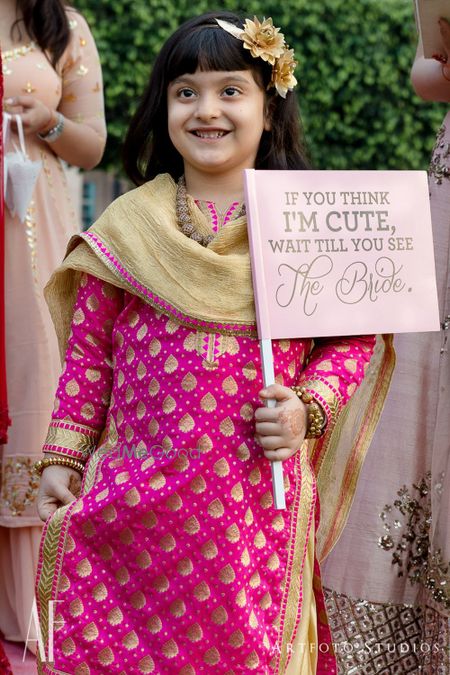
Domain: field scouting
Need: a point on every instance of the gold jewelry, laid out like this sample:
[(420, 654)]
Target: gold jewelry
[(265, 41), (72, 463), (184, 218), (317, 419)]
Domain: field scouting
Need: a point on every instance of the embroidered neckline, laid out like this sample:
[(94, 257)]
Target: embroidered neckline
[(219, 217)]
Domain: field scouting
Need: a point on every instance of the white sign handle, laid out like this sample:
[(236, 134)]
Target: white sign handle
[(268, 379)]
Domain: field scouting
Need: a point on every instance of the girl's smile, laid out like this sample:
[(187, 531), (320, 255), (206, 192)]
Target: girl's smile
[(215, 121)]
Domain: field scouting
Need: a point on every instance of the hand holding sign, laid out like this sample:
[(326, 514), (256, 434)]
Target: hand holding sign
[(280, 430)]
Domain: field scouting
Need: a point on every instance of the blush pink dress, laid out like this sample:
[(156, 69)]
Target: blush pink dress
[(33, 250)]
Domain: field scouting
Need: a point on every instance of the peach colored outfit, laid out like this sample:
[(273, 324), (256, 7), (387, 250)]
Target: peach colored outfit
[(33, 249)]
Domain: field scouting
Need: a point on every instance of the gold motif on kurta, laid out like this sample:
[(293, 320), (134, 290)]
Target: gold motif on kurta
[(154, 624), (216, 509), (100, 592), (143, 559), (236, 639), (227, 427), (132, 497), (212, 656), (146, 665), (227, 574), (198, 484), (170, 649), (194, 633), (221, 468), (255, 580), (237, 492), (189, 382), (241, 598), (219, 616), (191, 525), (232, 533), (84, 568), (243, 453), (185, 567), (123, 576), (177, 608), (209, 550), (202, 591)]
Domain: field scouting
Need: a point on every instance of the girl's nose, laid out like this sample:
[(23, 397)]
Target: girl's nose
[(207, 107)]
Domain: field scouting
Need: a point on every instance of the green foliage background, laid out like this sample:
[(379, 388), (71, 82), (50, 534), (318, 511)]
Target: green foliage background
[(358, 107)]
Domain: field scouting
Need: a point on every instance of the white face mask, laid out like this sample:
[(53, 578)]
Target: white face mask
[(20, 172)]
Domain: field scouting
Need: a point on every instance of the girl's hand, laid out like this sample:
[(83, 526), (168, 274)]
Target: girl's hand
[(281, 430), (36, 117), (59, 485)]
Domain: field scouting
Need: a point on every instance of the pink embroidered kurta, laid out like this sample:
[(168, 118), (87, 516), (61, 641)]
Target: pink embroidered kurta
[(175, 560)]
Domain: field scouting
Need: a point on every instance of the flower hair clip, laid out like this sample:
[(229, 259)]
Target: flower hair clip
[(264, 41)]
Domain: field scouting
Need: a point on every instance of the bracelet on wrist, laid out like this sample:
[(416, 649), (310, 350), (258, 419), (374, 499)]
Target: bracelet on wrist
[(316, 417), (55, 132), (71, 463)]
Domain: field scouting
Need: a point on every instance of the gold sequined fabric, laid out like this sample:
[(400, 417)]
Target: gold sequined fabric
[(380, 639)]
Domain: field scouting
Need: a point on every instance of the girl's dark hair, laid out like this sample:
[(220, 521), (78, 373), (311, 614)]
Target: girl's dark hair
[(200, 44), (46, 22)]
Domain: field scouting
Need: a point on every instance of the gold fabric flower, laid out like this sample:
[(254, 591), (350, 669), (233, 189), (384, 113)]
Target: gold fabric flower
[(283, 78), (263, 39)]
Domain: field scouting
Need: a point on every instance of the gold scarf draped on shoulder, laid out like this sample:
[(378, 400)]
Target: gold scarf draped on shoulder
[(136, 245)]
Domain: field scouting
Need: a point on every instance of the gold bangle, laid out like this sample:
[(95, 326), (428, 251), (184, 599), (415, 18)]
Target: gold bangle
[(317, 419), (70, 462)]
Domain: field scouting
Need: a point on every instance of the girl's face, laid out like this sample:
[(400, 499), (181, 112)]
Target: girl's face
[(216, 119)]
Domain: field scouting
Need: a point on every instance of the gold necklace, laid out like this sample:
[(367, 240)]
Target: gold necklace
[(184, 217)]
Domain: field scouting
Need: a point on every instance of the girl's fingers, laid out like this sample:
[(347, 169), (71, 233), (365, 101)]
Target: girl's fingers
[(279, 455), (267, 429), (277, 392), (62, 493), (270, 442), (266, 414), (46, 508)]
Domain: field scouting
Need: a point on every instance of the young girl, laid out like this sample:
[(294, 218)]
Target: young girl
[(172, 558)]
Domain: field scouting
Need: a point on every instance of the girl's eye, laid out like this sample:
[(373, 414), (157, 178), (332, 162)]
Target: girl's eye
[(231, 91), (185, 93)]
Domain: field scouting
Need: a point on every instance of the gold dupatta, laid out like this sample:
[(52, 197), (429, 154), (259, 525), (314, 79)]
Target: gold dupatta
[(137, 246)]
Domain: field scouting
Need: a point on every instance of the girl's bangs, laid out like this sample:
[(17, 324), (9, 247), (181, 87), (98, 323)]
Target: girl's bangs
[(208, 48)]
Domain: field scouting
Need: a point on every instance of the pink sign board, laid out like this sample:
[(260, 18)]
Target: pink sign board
[(341, 252)]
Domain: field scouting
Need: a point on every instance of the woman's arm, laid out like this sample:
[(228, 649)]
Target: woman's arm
[(83, 136), (430, 77)]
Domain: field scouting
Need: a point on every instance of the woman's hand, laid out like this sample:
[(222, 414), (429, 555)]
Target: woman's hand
[(59, 485), (281, 430), (36, 117)]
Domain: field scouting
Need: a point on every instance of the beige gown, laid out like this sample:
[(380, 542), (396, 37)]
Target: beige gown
[(33, 250)]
